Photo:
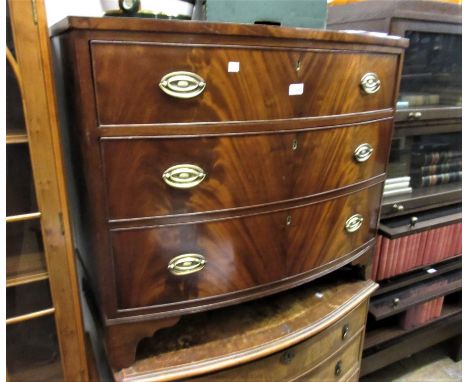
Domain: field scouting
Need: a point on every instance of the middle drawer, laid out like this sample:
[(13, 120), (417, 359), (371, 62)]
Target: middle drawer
[(148, 177), (206, 260)]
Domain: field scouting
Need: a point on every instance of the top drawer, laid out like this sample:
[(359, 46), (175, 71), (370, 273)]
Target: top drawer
[(226, 83)]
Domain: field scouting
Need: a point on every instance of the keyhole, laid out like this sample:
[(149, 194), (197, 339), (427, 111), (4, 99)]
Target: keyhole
[(298, 65), (294, 144)]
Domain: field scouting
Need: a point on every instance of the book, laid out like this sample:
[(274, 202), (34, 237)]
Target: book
[(396, 186), (402, 191), (434, 157), (437, 168), (433, 180), (397, 180)]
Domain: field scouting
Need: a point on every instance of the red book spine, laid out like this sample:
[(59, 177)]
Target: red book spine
[(424, 250), (447, 243), (441, 240), (431, 246), (402, 254), (453, 239), (444, 243), (407, 255), (396, 251), (383, 258), (459, 239), (418, 242), (435, 245)]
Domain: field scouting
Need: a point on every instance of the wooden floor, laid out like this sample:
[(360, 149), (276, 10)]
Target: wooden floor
[(432, 365)]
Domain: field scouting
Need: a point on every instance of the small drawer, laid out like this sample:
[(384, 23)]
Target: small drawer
[(293, 362), (152, 83), (185, 262), (339, 367), (160, 176)]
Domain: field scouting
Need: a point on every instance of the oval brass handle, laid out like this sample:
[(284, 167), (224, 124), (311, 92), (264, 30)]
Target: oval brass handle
[(186, 264), (338, 368), (363, 152), (184, 176), (182, 84), (370, 83), (354, 223), (345, 331)]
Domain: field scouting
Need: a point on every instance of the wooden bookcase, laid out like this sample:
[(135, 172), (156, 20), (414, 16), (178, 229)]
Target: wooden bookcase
[(420, 121), (44, 331)]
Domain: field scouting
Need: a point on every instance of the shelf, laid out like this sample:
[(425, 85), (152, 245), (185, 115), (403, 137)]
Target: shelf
[(392, 303), (380, 336), (421, 338), (422, 199), (23, 217), (397, 227), (25, 268), (418, 274), (428, 113)]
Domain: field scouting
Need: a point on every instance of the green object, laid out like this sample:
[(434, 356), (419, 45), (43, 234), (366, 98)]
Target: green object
[(294, 13)]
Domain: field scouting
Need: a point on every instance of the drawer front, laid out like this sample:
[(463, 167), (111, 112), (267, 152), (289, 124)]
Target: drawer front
[(237, 171), (238, 253), (299, 359), (340, 366), (130, 77)]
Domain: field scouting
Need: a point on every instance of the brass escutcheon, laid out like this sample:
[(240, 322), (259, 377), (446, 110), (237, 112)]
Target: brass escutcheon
[(344, 331), (338, 368)]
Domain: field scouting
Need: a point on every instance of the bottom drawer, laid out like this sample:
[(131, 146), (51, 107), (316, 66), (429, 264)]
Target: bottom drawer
[(294, 361), (339, 367)]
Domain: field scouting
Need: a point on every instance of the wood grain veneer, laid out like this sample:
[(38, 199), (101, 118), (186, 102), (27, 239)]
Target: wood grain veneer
[(241, 171), (258, 91)]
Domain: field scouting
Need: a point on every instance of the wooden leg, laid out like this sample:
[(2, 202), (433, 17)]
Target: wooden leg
[(122, 340), (455, 350)]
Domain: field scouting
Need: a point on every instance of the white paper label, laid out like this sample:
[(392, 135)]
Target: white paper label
[(296, 89), (431, 270), (233, 66)]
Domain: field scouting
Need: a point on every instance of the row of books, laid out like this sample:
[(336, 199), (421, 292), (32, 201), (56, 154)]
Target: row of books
[(433, 180), (393, 257), (420, 314), (431, 168), (431, 158), (397, 186)]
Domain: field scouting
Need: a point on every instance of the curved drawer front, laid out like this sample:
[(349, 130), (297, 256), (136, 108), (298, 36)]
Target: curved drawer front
[(301, 358), (183, 83), (142, 174), (339, 367), (182, 263)]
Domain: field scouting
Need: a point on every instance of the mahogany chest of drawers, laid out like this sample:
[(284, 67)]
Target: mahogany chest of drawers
[(218, 163)]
